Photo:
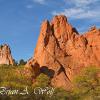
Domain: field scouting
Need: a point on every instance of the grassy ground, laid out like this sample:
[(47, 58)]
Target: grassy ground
[(87, 85), (11, 76)]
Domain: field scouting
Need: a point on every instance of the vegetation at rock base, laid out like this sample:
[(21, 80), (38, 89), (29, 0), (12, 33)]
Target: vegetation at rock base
[(86, 85), (22, 62), (42, 81)]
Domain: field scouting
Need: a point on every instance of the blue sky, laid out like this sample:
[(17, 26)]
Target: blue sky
[(20, 20)]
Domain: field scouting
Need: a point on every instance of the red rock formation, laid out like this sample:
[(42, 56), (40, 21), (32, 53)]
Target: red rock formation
[(61, 49), (5, 55)]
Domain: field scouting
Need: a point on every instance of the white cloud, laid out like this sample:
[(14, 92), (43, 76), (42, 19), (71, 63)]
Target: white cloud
[(79, 3), (82, 2), (40, 1), (81, 10), (79, 13)]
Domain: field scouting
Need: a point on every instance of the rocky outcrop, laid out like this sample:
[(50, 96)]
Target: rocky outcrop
[(63, 50), (5, 55)]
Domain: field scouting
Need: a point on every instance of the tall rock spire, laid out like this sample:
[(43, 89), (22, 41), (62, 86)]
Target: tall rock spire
[(5, 55), (63, 51)]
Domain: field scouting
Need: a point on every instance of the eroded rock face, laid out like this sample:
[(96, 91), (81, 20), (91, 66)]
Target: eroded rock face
[(63, 50), (5, 55)]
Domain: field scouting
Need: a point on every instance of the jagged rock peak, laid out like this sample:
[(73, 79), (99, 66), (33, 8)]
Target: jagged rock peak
[(59, 18), (5, 55), (92, 28), (59, 27), (45, 27)]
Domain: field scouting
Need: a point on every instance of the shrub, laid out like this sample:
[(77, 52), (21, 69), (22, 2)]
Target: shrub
[(87, 85), (42, 80)]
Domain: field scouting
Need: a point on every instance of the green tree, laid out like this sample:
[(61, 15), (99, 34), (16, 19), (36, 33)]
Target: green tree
[(22, 62)]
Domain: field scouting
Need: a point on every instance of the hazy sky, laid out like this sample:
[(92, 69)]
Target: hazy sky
[(20, 20)]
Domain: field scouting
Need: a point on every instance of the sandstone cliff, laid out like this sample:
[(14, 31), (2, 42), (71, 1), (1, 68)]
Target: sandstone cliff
[(5, 55), (61, 52)]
